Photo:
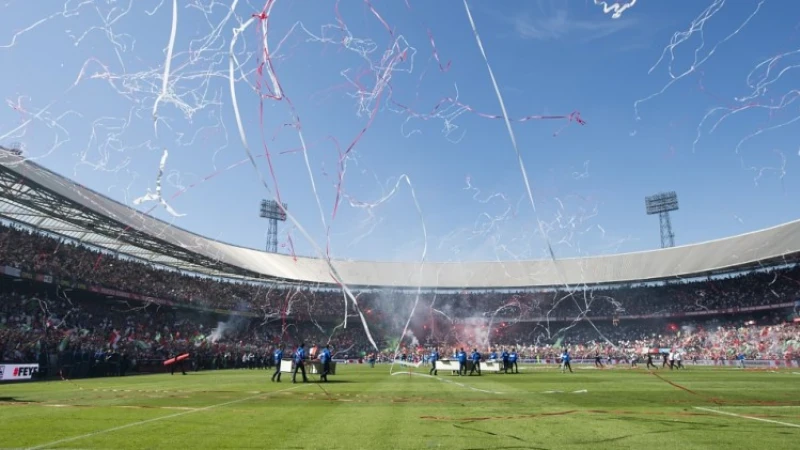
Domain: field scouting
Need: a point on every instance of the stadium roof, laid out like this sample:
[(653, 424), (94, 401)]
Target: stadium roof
[(41, 198)]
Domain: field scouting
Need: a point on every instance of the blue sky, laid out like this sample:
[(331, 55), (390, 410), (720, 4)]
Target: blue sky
[(86, 76)]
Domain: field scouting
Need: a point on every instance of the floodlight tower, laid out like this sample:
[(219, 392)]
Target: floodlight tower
[(662, 204), (273, 211)]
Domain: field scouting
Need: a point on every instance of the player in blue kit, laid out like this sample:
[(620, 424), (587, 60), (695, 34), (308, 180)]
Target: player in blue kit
[(565, 358), (476, 362), (325, 359), (433, 358), (504, 356), (512, 361), (299, 363), (276, 358), (462, 362)]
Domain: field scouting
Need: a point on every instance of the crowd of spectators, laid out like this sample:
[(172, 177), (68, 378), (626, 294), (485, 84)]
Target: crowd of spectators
[(57, 330), (59, 327), (765, 336), (63, 259)]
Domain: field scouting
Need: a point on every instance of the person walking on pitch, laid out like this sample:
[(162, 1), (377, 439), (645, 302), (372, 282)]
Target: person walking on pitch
[(276, 358), (512, 361), (462, 362), (299, 363), (565, 362), (176, 363), (476, 362), (325, 359), (598, 360), (434, 358)]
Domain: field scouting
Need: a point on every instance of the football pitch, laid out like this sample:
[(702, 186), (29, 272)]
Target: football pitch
[(540, 408)]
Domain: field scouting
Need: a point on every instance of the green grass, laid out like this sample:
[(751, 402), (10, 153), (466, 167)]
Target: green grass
[(368, 408)]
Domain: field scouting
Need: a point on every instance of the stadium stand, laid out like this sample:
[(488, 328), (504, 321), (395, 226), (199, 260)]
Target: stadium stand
[(85, 312)]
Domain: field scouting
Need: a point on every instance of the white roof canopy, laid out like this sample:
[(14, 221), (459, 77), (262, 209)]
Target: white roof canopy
[(770, 245)]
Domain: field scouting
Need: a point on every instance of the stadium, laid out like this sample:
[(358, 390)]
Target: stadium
[(456, 254), (89, 291)]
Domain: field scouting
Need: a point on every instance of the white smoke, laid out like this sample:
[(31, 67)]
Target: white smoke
[(229, 328), (414, 340), (474, 332), (480, 332), (217, 333)]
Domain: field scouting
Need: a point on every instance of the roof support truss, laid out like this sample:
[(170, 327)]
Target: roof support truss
[(23, 202)]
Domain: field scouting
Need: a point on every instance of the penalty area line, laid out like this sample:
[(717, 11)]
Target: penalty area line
[(726, 413), (156, 419)]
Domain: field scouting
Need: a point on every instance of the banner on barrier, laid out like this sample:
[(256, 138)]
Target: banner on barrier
[(748, 363), (17, 372)]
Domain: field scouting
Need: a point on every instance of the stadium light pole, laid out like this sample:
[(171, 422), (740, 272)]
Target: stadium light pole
[(273, 211), (662, 204)]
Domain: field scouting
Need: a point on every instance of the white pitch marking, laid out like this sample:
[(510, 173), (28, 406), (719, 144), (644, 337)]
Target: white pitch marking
[(763, 407), (725, 413), (582, 391), (156, 419)]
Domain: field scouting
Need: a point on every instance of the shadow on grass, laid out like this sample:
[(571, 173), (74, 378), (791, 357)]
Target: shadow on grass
[(15, 400), (332, 382), (490, 433)]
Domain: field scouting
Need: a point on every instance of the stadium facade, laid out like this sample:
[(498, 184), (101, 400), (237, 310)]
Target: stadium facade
[(42, 199)]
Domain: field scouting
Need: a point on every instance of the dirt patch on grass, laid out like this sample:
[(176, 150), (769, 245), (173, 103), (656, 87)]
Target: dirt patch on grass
[(483, 418), (588, 411), (645, 413), (366, 398), (723, 402), (173, 408)]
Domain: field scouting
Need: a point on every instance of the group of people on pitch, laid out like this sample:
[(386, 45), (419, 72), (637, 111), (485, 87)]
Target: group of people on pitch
[(507, 359), (298, 363)]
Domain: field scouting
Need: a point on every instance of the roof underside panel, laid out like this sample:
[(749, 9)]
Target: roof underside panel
[(23, 204), (76, 233), (214, 257)]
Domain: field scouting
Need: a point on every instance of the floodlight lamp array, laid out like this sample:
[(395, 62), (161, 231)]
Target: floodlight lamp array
[(661, 203), (270, 209)]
